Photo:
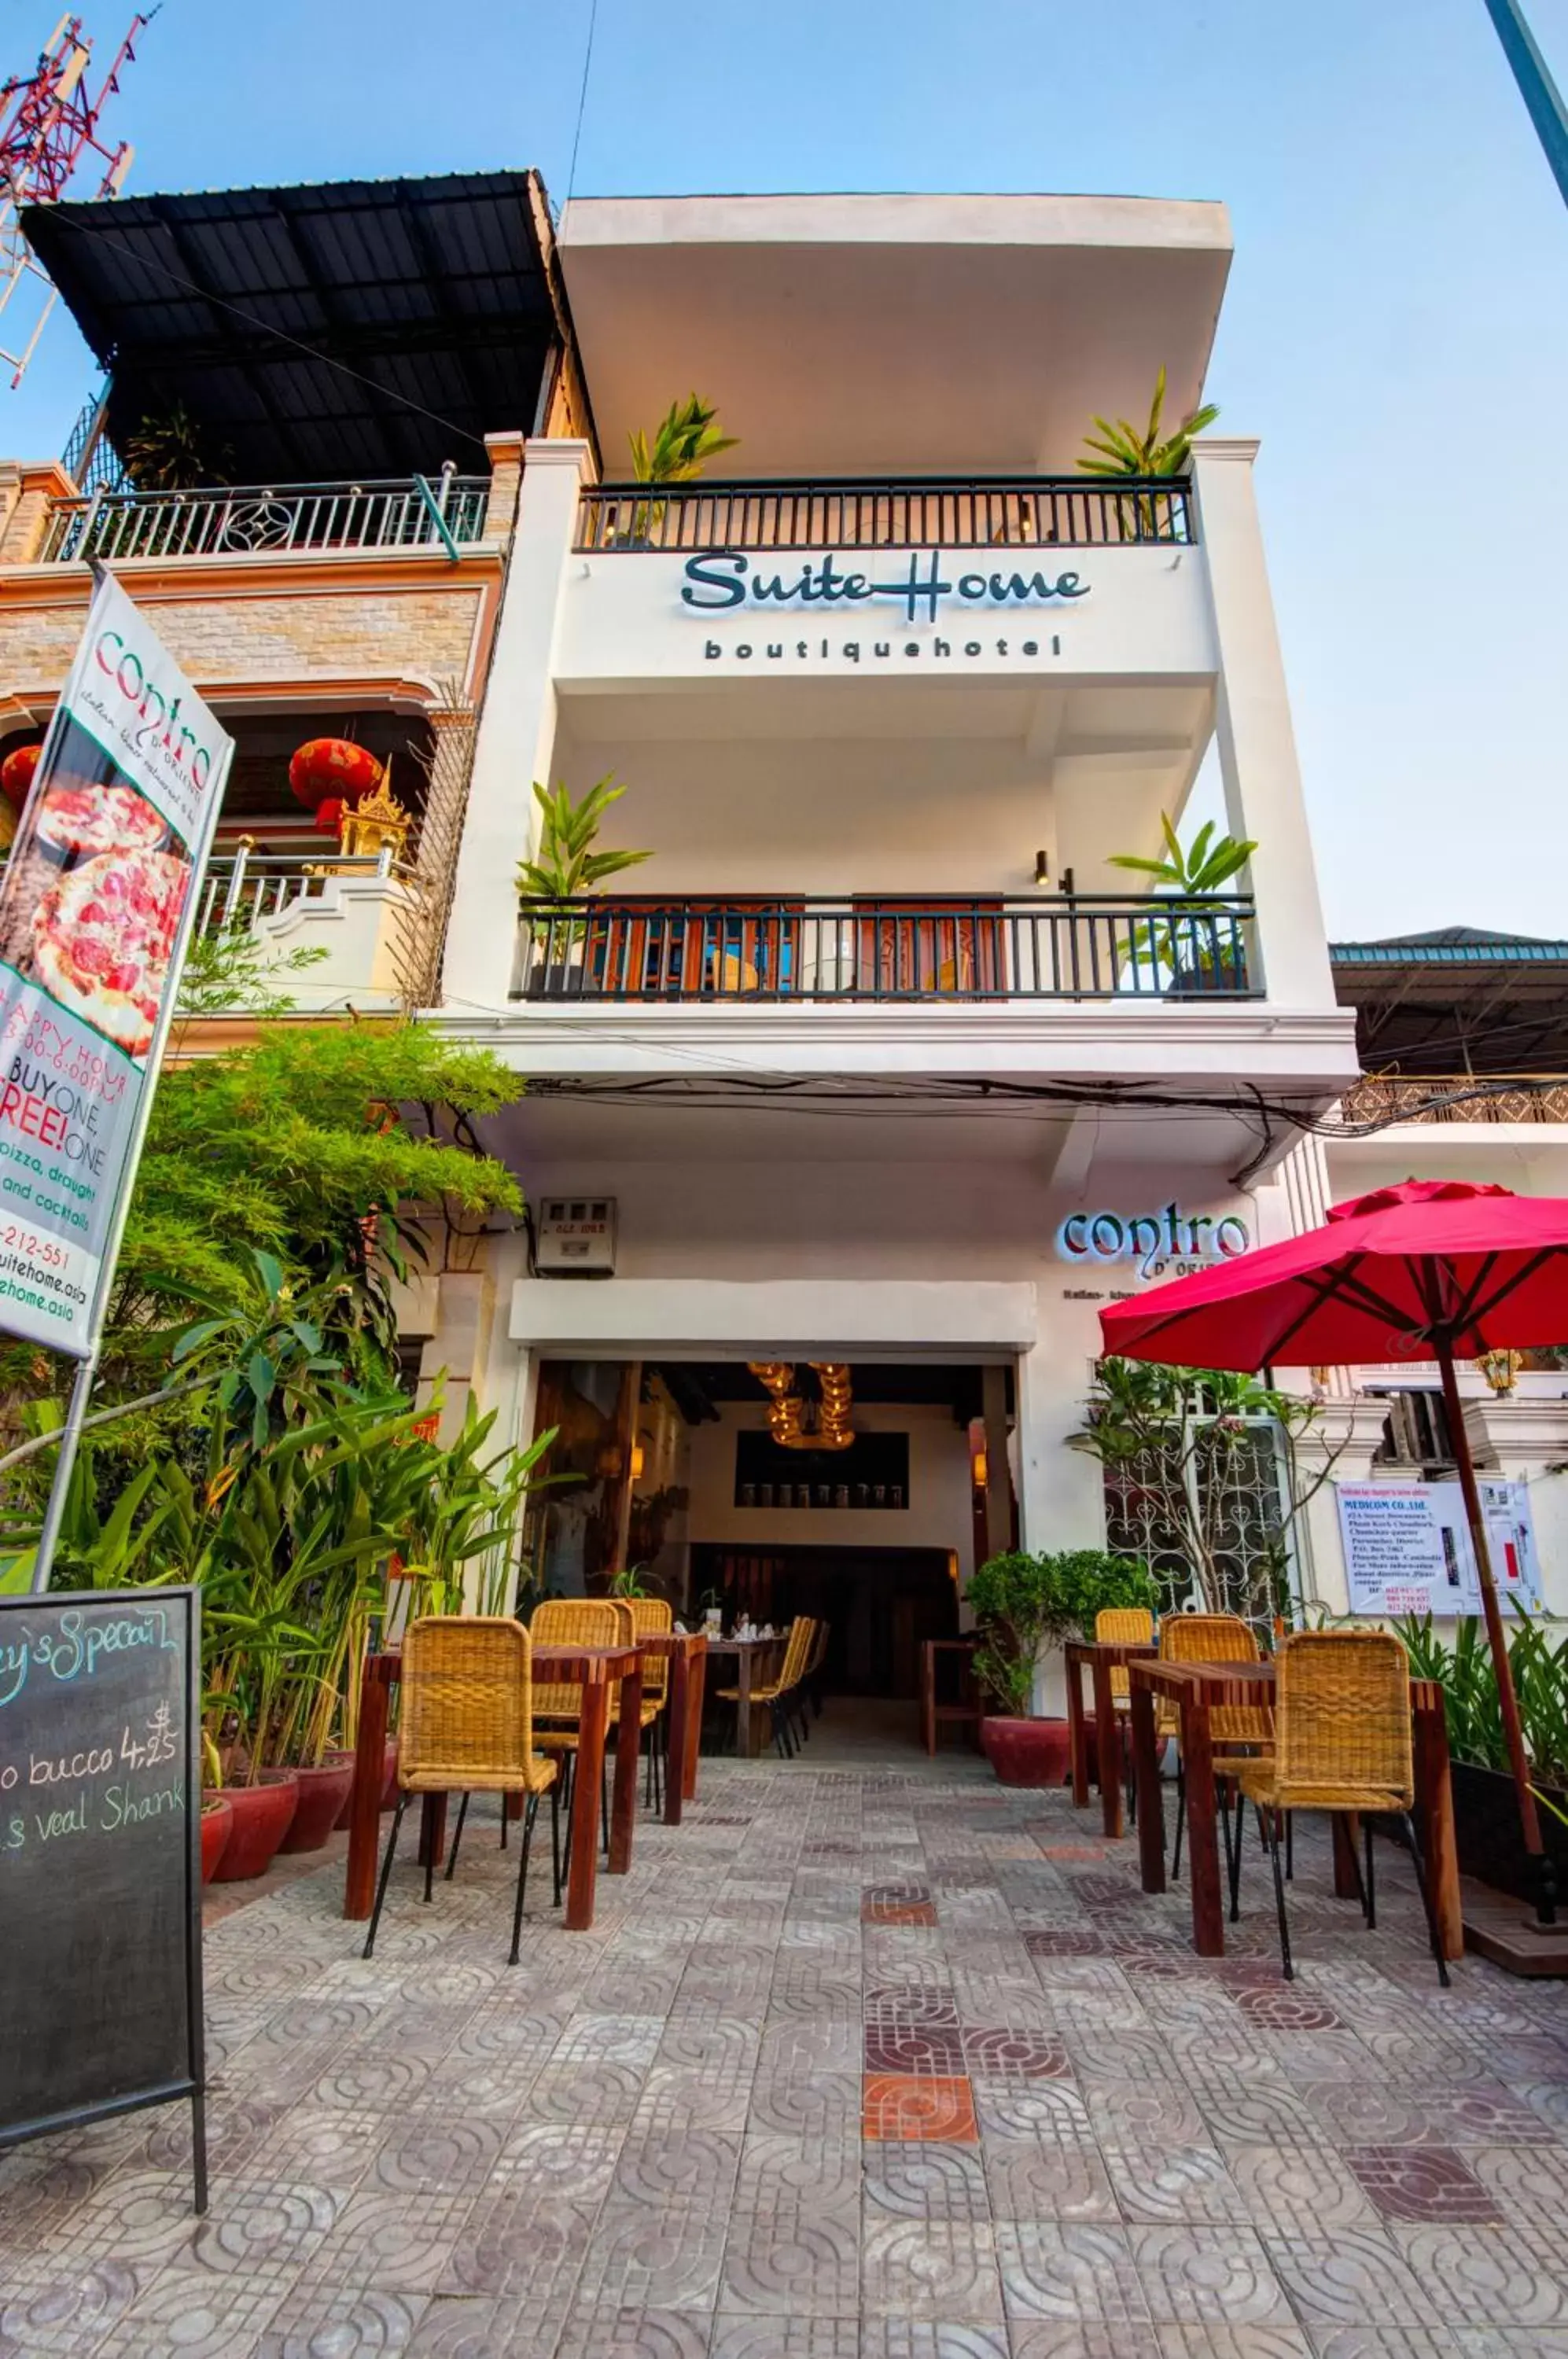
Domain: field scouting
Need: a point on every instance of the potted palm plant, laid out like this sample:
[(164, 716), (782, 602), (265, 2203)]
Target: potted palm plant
[(564, 872), (683, 442), (1201, 948), (1125, 451), (1024, 1606)]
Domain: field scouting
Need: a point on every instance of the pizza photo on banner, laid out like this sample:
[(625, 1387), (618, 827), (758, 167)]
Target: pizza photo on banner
[(95, 905)]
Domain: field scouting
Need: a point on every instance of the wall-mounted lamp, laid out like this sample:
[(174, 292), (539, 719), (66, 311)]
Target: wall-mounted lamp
[(982, 1473), (1043, 868), (1067, 882), (638, 1461)]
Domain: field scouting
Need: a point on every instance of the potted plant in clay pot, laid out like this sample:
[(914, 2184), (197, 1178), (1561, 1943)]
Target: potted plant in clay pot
[(1024, 1606), (1201, 944), (553, 887)]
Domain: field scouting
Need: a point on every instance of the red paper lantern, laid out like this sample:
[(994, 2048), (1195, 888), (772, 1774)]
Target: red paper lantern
[(17, 774), (326, 765), (329, 816)]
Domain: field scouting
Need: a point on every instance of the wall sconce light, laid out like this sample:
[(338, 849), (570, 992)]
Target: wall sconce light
[(638, 1461), (1043, 868), (980, 1470), (1501, 1370)]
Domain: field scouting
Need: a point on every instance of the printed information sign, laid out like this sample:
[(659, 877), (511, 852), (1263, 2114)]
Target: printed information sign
[(93, 904), (1407, 1547)]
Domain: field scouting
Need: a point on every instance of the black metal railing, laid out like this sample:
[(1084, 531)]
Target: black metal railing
[(694, 949), (979, 512)]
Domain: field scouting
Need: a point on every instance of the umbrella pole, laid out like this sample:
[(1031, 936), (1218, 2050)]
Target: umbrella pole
[(1530, 1822)]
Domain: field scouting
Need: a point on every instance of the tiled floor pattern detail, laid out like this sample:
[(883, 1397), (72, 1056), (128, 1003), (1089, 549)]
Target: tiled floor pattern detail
[(854, 2066)]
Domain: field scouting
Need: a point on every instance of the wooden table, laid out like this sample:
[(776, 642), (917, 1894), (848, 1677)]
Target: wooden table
[(932, 1715), (596, 1668), (1101, 1657), (687, 1652), (1195, 1689), (749, 1738)]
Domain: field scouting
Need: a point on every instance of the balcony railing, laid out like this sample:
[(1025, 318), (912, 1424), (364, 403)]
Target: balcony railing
[(1456, 1097), (239, 890), (696, 950), (446, 512), (982, 512)]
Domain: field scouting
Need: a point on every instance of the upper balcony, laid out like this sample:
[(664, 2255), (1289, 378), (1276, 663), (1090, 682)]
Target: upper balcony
[(245, 521)]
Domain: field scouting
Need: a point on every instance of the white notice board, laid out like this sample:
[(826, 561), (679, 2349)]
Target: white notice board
[(1407, 1547)]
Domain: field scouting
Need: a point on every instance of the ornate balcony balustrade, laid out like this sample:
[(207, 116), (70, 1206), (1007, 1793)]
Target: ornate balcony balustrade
[(1383, 1098), (446, 512)]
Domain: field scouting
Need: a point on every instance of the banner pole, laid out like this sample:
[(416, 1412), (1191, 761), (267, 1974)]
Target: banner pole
[(81, 1391), (65, 1461)]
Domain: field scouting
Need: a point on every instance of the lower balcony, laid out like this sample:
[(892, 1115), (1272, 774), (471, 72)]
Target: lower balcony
[(311, 937), (698, 950)]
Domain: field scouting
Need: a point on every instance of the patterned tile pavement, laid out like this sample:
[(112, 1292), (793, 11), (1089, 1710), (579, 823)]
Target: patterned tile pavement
[(858, 2063)]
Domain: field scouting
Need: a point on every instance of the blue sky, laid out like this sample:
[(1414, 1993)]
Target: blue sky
[(1396, 331)]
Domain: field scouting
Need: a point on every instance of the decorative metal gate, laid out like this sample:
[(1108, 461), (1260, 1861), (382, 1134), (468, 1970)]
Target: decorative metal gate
[(1239, 1496)]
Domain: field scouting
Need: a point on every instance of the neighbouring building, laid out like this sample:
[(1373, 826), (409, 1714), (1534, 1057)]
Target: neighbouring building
[(850, 1106)]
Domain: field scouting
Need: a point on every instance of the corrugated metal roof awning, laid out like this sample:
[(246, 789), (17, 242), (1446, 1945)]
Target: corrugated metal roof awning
[(357, 329)]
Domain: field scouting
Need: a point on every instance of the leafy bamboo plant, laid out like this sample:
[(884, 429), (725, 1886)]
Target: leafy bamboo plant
[(1183, 939), (684, 441), (1126, 451), (566, 869)]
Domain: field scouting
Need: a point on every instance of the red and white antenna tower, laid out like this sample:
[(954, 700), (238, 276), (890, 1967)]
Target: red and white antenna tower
[(50, 128)]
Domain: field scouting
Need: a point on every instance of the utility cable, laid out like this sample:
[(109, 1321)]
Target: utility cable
[(581, 98), (221, 303)]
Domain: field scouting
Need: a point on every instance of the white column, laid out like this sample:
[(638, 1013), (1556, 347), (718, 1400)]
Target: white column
[(1256, 741), (517, 731)]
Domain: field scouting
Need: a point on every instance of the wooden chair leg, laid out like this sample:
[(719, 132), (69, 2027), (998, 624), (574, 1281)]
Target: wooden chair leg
[(1180, 1816), (386, 1873)]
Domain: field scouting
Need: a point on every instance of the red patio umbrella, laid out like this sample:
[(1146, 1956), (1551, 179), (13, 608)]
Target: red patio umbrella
[(1434, 1268)]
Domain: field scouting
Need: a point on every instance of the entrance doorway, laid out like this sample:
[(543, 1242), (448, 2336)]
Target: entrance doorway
[(859, 1493)]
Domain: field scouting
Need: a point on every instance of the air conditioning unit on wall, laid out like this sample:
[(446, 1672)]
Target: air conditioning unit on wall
[(575, 1236)]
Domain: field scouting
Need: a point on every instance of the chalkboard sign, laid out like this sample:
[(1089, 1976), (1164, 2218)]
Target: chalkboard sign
[(99, 1858)]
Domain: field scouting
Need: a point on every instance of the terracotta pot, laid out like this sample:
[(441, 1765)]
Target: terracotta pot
[(1025, 1752), (323, 1793), (217, 1824), (389, 1786), (261, 1817)]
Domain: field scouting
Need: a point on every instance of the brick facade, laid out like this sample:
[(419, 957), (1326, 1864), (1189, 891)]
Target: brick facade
[(422, 635)]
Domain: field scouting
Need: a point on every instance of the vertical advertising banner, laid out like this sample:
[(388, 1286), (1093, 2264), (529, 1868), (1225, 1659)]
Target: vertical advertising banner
[(94, 907)]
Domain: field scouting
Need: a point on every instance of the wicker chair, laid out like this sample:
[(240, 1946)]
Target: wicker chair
[(558, 1704), (1235, 1731), (1124, 1625), (467, 1727), (652, 1616), (1341, 1716), (811, 1680), (797, 1648)]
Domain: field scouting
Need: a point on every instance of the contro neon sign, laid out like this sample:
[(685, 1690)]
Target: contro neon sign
[(1153, 1240)]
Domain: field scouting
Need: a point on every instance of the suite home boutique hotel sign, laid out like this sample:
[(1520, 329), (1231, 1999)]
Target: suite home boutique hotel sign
[(802, 613)]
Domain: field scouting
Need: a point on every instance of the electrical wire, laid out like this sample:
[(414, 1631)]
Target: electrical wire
[(581, 98), (221, 303)]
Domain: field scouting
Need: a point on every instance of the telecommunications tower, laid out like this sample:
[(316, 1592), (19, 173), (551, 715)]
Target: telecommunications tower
[(50, 128)]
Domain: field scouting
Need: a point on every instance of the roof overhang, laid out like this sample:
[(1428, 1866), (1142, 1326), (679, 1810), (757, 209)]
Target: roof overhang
[(892, 334), (353, 330)]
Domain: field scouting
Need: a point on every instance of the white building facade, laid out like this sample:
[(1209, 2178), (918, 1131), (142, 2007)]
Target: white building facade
[(876, 1061)]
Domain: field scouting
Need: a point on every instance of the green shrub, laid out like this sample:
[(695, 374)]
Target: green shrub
[(1023, 1602)]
